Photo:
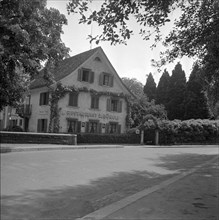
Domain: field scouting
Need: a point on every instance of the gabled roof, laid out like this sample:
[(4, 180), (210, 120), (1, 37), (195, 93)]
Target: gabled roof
[(64, 68)]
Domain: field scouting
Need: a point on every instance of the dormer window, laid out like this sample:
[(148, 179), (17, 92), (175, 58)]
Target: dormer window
[(85, 75), (97, 59)]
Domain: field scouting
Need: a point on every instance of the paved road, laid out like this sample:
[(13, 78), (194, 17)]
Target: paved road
[(23, 171), (68, 184)]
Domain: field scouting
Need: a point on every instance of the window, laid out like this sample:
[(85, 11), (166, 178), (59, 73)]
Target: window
[(113, 128), (85, 75), (73, 99), (21, 122), (42, 125), (97, 59), (106, 79), (93, 126), (114, 105), (94, 102), (44, 98), (72, 126)]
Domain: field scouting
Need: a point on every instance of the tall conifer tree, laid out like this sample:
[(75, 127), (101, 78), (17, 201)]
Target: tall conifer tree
[(176, 93), (162, 89), (150, 87), (196, 102)]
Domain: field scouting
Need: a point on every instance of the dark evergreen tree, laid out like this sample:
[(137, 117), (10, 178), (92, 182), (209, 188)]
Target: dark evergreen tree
[(196, 104), (150, 87), (162, 89), (176, 93)]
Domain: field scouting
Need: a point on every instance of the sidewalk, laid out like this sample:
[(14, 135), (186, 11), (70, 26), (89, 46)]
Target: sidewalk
[(38, 147), (190, 197)]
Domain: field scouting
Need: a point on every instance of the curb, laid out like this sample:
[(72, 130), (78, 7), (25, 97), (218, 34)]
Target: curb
[(110, 209), (18, 149)]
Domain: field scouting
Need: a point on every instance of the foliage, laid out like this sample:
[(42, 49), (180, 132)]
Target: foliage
[(134, 86), (30, 36), (162, 89), (185, 132), (150, 87), (108, 138), (176, 93), (196, 103), (58, 91), (142, 107), (195, 32), (14, 128)]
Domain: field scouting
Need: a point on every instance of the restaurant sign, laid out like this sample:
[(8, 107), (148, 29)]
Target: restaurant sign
[(88, 115)]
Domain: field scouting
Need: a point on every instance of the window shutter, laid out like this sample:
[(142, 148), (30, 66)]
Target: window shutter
[(39, 125), (97, 104), (47, 98), (99, 128), (120, 106), (70, 103), (41, 98), (101, 79), (45, 126), (119, 129), (87, 127), (108, 105), (75, 98), (79, 74), (79, 127), (107, 128), (111, 80), (91, 77)]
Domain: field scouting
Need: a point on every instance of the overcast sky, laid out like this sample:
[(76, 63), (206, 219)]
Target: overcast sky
[(132, 60)]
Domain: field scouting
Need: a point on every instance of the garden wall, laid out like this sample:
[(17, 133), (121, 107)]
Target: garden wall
[(37, 138)]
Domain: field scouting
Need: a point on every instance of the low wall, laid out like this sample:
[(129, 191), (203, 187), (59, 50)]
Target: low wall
[(37, 138)]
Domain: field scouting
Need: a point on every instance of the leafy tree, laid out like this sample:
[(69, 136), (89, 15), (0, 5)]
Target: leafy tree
[(176, 93), (162, 89), (30, 36), (141, 106), (195, 32), (134, 86), (150, 87), (196, 101)]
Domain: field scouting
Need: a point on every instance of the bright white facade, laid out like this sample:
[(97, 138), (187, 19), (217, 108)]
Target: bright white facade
[(100, 105)]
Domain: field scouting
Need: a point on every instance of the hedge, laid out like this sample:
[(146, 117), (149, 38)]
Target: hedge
[(108, 138), (185, 132)]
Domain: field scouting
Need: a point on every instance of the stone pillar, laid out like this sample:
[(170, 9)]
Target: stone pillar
[(142, 137), (156, 137)]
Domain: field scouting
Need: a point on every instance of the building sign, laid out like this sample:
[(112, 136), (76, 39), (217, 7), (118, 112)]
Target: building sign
[(43, 112), (90, 115)]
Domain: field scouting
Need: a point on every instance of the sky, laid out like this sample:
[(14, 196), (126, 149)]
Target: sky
[(132, 60)]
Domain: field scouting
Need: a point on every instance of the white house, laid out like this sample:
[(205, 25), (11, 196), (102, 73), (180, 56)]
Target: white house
[(97, 104)]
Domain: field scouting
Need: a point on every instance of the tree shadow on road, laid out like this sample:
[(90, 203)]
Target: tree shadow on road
[(75, 202), (183, 162)]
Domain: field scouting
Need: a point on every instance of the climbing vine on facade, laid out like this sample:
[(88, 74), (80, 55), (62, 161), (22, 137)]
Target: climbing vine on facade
[(59, 91)]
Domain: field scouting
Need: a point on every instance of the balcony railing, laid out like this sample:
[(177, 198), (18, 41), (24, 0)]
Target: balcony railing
[(24, 110)]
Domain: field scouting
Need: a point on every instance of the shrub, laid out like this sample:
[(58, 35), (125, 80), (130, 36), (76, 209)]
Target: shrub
[(14, 128), (108, 138), (189, 131)]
